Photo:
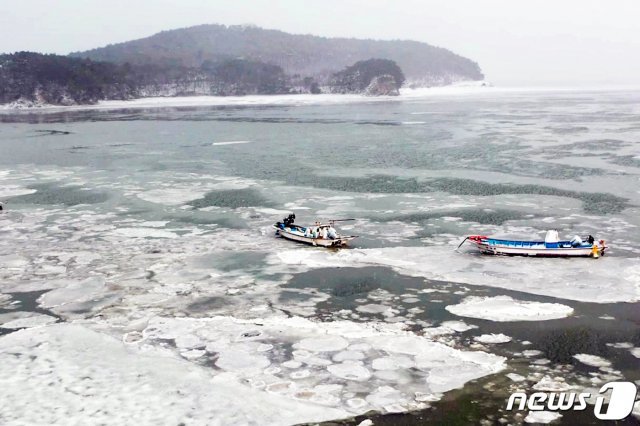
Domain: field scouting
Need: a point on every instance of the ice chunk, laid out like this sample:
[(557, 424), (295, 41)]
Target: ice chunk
[(144, 233), (349, 370), (172, 196), (548, 384), (160, 389), (374, 308), (7, 191), (32, 320), (621, 345), (78, 291), (516, 377), (229, 143), (323, 344), (504, 308), (492, 338), (392, 363), (543, 417), (348, 355), (458, 326), (592, 360)]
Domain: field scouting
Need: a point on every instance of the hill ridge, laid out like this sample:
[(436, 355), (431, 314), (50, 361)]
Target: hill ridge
[(303, 54)]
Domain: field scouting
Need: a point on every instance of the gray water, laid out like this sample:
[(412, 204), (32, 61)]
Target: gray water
[(177, 223)]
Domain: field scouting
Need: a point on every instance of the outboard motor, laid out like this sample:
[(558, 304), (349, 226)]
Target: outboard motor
[(288, 221)]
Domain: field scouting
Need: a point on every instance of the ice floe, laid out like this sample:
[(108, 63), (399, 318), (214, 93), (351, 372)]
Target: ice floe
[(549, 384), (230, 143), (172, 196), (621, 345), (74, 292), (7, 191), (341, 356), (613, 279), (505, 308), (32, 319), (514, 377), (144, 233), (492, 338), (100, 380), (592, 360), (543, 417), (323, 344)]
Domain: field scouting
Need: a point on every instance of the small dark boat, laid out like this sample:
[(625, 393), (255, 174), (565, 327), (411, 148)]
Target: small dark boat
[(320, 234)]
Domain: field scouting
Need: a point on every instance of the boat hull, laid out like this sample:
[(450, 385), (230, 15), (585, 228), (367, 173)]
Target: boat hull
[(321, 242), (535, 252), (500, 247)]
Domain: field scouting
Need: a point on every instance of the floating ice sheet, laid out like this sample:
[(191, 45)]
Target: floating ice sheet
[(543, 417), (328, 362), (230, 143), (492, 338), (607, 280), (99, 379), (7, 191), (505, 308), (28, 320), (592, 360)]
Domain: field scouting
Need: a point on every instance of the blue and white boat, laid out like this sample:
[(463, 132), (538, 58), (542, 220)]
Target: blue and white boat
[(550, 247)]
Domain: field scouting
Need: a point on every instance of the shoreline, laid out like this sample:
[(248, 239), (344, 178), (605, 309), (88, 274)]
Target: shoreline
[(406, 94)]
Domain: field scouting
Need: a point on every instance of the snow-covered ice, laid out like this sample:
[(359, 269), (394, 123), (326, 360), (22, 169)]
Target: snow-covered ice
[(144, 233), (505, 308), (338, 354), (31, 319), (7, 191), (592, 360), (100, 380), (543, 417), (614, 279), (230, 143), (492, 338)]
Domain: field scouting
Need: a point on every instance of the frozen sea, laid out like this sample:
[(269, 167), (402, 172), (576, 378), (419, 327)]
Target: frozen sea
[(141, 281)]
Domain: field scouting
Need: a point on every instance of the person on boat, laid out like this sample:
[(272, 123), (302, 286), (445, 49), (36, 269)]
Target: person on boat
[(576, 241), (331, 233), (323, 233)]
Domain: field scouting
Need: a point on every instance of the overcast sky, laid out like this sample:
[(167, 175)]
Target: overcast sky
[(516, 43)]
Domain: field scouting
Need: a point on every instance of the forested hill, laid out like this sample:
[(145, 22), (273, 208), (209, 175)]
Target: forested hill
[(30, 79), (306, 55), (33, 78)]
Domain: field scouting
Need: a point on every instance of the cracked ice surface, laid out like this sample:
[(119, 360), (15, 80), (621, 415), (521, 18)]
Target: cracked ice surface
[(129, 386), (131, 286), (328, 363), (614, 279)]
